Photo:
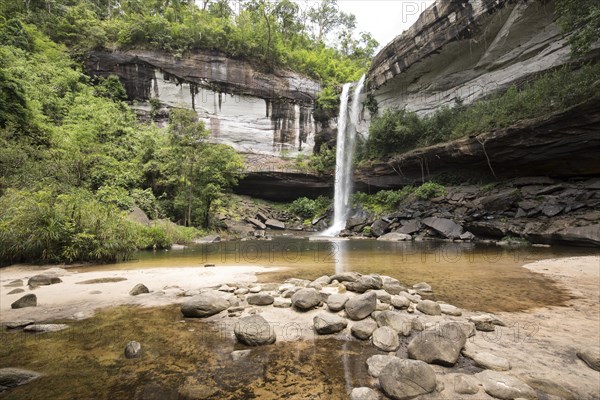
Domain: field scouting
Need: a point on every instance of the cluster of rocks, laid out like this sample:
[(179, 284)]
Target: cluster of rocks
[(413, 331), (537, 209)]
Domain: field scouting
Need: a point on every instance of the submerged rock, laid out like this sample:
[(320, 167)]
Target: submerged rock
[(29, 300), (254, 331), (405, 379), (327, 323), (204, 305), (133, 349), (504, 386), (13, 377), (19, 324), (364, 393), (45, 328), (16, 291)]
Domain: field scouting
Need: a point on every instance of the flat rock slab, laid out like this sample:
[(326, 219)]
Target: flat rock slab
[(406, 379), (487, 360), (13, 377), (45, 328), (504, 386), (254, 331), (110, 279), (274, 224), (19, 324), (43, 280)]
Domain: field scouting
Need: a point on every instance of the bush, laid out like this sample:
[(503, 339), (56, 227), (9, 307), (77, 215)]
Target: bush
[(306, 208), (382, 201), (429, 190)]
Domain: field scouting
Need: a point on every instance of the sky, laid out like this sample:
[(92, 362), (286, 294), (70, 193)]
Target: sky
[(384, 19)]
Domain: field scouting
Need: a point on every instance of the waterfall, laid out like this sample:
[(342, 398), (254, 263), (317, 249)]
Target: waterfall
[(346, 138)]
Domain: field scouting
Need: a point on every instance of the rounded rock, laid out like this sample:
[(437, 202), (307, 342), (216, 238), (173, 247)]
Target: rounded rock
[(405, 379)]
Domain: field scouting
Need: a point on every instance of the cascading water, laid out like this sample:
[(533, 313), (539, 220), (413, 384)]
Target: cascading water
[(346, 138)]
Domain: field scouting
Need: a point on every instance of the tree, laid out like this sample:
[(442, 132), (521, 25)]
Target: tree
[(327, 17), (581, 19)]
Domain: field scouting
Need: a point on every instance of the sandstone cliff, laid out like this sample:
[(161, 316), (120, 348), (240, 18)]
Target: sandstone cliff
[(243, 106), (466, 50)]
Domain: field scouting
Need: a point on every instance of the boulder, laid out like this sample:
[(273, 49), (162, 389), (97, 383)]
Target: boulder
[(138, 289), (395, 237), (19, 324), (363, 329), (364, 393), (465, 384), (409, 227), (386, 339), (29, 300), (501, 201), (422, 287), (379, 227), (13, 377), (591, 356), (133, 349), (16, 291), (398, 322), (45, 328), (484, 323), (255, 289), (241, 291), (429, 307), (274, 224), (361, 306), (336, 302), (392, 285), (282, 303), (503, 386), (357, 217), (376, 363), (305, 299), (43, 280), (444, 226), (450, 310), (260, 299), (400, 302), (254, 331), (487, 360), (204, 305), (327, 323), (257, 223), (364, 283), (346, 277), (322, 280), (406, 379), (441, 346)]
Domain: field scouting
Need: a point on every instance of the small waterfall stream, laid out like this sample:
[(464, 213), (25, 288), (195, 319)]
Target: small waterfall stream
[(346, 139)]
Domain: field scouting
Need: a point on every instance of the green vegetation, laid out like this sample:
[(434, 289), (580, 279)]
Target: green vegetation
[(581, 19), (389, 200), (308, 209), (74, 161), (397, 131), (270, 33)]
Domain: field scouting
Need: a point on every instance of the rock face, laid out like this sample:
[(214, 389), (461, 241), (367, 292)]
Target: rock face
[(204, 305), (13, 377), (254, 331), (29, 300), (241, 106), (506, 41), (305, 299), (504, 386), (326, 323), (361, 306), (405, 379)]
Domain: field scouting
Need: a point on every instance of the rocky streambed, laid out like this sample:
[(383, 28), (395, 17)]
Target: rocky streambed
[(362, 336)]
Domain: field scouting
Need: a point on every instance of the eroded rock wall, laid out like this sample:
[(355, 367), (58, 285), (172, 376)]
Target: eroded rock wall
[(465, 50), (251, 110)]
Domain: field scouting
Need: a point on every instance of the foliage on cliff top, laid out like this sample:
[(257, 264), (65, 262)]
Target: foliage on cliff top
[(74, 161), (580, 19), (271, 33), (398, 131)]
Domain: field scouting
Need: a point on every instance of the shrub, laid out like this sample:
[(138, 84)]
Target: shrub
[(307, 208), (429, 190)]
